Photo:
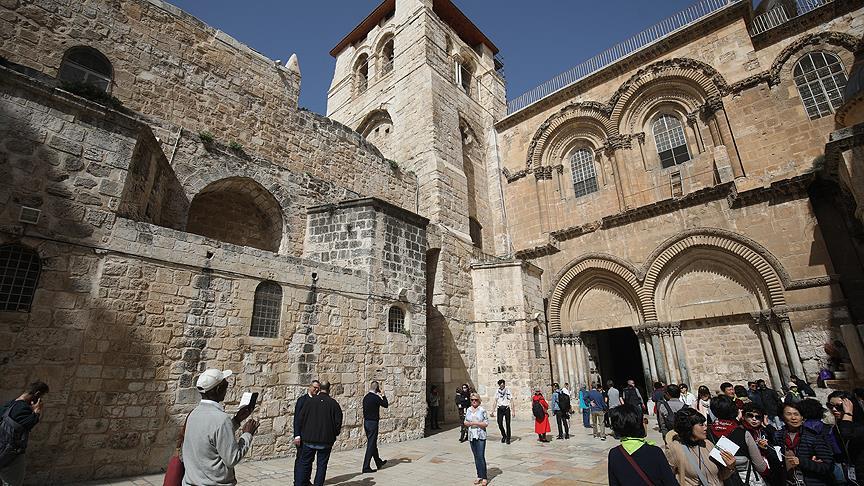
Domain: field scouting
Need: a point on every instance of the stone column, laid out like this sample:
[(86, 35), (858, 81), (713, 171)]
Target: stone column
[(581, 362), (559, 355), (669, 350), (777, 341), (643, 350), (659, 358), (791, 348), (762, 331), (568, 350), (649, 350), (679, 353)]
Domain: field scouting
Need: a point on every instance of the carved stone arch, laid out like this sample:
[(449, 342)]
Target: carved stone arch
[(372, 119), (382, 38), (756, 256), (587, 112), (377, 128), (608, 269), (691, 71), (685, 97), (467, 128), (839, 39)]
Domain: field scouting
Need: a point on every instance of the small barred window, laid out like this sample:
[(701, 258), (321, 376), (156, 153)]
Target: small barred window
[(19, 276), (266, 310), (396, 320), (584, 175), (361, 74), (821, 80), (671, 141), (387, 55)]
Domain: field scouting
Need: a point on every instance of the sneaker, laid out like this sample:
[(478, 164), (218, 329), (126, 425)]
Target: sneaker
[(508, 440), (603, 438), (503, 439), (560, 437)]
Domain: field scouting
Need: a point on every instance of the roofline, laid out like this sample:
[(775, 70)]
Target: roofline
[(364, 27), (446, 10)]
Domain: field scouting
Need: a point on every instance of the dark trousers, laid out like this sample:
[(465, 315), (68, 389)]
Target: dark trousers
[(371, 428), (563, 417), (586, 418), (297, 465), (304, 472), (478, 448), (433, 418), (504, 416), (463, 431)]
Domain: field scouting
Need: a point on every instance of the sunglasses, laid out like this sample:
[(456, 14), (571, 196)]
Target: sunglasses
[(475, 399), (835, 406), (753, 416)]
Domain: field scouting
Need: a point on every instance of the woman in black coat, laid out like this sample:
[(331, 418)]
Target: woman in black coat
[(849, 433), (807, 456), (627, 422)]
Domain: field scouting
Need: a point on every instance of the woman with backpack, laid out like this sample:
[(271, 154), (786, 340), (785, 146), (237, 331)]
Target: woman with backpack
[(539, 408)]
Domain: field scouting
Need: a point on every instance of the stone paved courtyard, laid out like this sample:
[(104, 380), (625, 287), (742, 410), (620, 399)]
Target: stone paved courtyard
[(441, 459)]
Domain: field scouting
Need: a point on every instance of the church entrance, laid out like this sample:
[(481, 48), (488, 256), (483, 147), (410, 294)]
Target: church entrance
[(616, 356)]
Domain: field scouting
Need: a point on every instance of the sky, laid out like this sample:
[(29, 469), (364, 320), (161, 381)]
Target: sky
[(537, 39)]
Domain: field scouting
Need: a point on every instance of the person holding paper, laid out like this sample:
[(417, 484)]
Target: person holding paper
[(807, 455), (754, 422), (689, 452), (748, 459)]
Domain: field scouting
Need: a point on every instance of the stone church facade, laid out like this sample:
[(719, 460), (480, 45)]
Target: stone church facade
[(168, 207)]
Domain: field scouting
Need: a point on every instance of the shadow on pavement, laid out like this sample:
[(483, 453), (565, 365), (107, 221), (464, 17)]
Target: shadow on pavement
[(493, 472), (396, 462)]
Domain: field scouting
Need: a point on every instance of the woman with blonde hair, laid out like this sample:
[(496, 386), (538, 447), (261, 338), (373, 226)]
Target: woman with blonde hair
[(476, 421)]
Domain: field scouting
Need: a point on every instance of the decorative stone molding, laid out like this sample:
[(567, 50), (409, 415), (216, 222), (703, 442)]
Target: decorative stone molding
[(596, 114), (795, 187), (840, 39), (712, 105), (558, 339), (543, 172), (537, 251), (809, 283)]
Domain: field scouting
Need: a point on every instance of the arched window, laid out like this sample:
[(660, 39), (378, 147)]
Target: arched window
[(396, 320), (19, 275), (670, 140), (463, 76), (387, 55), (821, 80), (582, 169), (266, 310), (361, 74), (88, 66)]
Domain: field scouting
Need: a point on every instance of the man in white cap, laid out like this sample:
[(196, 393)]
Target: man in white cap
[(210, 450)]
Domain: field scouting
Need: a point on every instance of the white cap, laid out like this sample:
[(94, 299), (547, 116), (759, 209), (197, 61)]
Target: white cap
[(211, 378)]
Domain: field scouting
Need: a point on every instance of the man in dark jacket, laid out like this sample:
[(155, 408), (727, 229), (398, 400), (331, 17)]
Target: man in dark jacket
[(372, 403), (314, 387), (320, 423), (26, 411), (770, 402)]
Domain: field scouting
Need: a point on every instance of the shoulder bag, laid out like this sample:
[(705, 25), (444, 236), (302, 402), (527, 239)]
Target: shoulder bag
[(176, 470), (636, 467)]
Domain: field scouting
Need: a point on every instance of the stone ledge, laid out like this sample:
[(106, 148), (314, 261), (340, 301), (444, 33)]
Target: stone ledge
[(373, 202)]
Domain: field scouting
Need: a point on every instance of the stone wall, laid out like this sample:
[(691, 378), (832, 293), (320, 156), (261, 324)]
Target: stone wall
[(180, 72)]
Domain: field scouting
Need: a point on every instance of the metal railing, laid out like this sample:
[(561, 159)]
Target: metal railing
[(684, 18), (778, 16)]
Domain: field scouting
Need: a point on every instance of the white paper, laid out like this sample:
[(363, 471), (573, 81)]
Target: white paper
[(245, 399), (779, 454), (726, 445)]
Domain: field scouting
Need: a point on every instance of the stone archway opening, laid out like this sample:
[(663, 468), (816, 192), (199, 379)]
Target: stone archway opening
[(618, 357), (237, 210)]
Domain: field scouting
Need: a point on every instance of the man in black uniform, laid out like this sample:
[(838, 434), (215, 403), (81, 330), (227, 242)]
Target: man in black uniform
[(372, 403), (314, 387), (320, 424)]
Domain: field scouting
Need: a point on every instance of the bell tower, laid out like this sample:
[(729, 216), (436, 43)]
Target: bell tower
[(418, 79)]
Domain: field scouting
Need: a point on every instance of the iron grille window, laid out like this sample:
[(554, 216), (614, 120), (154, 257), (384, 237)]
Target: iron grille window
[(86, 65), (396, 320), (387, 65), (821, 80), (19, 275), (670, 140), (584, 175), (266, 310), (363, 74)]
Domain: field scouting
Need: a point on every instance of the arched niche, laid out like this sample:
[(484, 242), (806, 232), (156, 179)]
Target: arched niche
[(237, 210), (377, 128)]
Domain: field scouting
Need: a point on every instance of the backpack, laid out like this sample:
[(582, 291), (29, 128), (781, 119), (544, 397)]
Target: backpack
[(564, 402), (13, 437), (537, 410), (669, 418)]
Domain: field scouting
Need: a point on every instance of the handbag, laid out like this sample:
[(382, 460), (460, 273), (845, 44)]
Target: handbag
[(638, 469), (176, 470)]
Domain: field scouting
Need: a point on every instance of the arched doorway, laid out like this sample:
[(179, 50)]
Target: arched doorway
[(237, 210)]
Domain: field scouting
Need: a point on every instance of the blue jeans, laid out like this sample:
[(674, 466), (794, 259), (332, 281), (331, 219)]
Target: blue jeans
[(307, 455), (586, 418), (478, 448), (371, 429)]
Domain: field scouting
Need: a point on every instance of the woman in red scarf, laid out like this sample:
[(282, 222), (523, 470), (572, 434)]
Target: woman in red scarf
[(541, 425), (749, 462)]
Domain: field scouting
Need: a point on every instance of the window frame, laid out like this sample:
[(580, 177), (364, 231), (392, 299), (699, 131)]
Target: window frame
[(673, 153), (586, 165), (463, 81), (27, 282), (361, 79), (402, 328), (815, 83), (388, 61), (266, 326), (68, 64)]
